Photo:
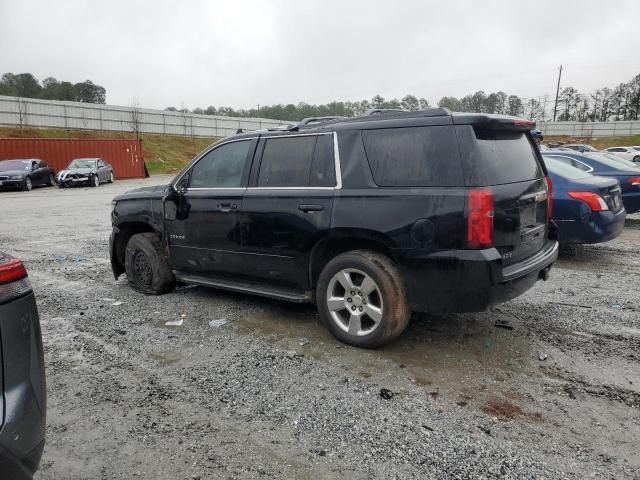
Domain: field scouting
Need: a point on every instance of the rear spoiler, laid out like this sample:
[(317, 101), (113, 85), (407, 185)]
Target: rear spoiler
[(497, 122)]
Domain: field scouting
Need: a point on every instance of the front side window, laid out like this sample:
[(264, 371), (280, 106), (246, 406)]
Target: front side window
[(286, 162), (222, 167)]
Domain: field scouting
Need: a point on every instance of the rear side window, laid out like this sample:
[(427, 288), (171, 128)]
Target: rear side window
[(323, 166), (298, 162), (562, 169), (413, 156), (495, 157)]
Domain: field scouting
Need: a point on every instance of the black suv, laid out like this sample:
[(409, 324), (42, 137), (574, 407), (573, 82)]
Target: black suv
[(370, 217)]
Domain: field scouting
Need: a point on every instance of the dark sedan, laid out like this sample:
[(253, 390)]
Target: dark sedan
[(602, 166), (586, 208), (25, 174), (86, 171), (22, 379)]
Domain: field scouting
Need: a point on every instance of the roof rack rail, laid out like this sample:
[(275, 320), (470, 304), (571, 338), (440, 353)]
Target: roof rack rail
[(379, 111), (284, 128), (427, 112), (319, 120)]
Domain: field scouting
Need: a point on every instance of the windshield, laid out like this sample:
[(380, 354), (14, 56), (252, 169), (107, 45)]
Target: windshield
[(82, 163), (564, 170), (636, 148), (7, 165), (609, 162), (611, 156)]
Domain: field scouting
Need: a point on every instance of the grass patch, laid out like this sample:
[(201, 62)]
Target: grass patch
[(162, 153)]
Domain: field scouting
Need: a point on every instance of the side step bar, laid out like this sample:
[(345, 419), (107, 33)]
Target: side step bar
[(246, 287)]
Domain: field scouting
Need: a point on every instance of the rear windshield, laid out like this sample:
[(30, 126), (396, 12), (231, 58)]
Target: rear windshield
[(495, 157), (563, 170), (413, 156)]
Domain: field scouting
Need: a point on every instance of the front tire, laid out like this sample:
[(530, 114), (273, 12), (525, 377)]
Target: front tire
[(51, 180), (146, 266), (636, 159), (362, 300), (27, 185), (94, 181)]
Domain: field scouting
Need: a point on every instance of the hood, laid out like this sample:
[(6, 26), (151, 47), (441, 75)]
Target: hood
[(10, 173), (143, 192), (78, 171)]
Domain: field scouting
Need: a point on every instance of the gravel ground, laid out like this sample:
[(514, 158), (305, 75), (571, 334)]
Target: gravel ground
[(269, 394)]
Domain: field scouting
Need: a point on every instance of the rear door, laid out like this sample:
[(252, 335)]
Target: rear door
[(508, 163), (287, 207)]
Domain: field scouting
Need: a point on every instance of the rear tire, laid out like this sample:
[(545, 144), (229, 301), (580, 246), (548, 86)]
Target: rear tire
[(147, 268), (27, 185), (362, 300), (111, 178)]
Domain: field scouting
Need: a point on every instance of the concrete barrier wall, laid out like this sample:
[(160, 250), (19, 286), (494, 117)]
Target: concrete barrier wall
[(29, 112)]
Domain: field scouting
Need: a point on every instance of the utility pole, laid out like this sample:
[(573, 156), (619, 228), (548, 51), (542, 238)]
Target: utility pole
[(555, 107)]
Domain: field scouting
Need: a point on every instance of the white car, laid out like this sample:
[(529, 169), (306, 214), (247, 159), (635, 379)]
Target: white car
[(628, 153)]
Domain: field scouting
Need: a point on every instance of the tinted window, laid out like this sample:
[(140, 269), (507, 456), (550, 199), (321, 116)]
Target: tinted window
[(323, 166), (222, 167), (617, 149), (414, 156), (562, 169), (286, 162), (609, 156), (570, 161), (507, 157)]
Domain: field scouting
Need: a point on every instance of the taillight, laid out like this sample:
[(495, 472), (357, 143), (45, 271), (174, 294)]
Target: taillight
[(593, 200), (480, 218), (549, 197), (13, 280), (634, 180)]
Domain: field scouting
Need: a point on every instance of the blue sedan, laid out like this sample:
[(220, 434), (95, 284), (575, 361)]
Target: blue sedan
[(586, 208), (603, 166)]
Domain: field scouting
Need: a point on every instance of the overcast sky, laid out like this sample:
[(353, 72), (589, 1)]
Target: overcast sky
[(244, 53)]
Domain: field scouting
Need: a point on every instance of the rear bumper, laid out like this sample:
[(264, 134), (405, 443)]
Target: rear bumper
[(594, 228), (23, 400), (470, 280)]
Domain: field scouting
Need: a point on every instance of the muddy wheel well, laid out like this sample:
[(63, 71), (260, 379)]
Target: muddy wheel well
[(327, 249), (126, 231)]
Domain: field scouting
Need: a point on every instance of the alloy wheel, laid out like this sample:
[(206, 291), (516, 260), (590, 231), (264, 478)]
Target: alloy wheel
[(354, 302), (142, 268)]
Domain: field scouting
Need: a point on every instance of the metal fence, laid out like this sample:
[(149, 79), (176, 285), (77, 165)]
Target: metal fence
[(590, 129), (29, 112)]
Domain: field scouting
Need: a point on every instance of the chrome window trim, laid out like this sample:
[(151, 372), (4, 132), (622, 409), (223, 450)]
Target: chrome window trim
[(201, 189), (291, 188), (206, 152), (336, 158), (590, 169)]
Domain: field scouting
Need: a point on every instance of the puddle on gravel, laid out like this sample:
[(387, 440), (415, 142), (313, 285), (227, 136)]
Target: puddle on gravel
[(166, 358), (458, 354)]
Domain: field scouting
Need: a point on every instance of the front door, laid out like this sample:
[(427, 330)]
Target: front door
[(202, 223), (288, 208)]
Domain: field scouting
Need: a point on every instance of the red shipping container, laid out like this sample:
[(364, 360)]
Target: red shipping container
[(124, 155)]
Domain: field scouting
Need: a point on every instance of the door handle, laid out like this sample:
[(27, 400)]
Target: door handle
[(227, 207), (310, 208)]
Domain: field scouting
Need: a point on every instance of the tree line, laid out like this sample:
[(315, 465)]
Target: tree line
[(26, 85), (603, 104)]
